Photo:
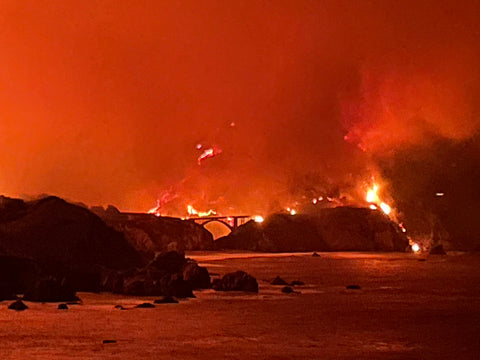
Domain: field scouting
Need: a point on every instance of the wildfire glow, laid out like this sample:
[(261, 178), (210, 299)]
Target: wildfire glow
[(372, 194), (208, 153), (385, 208), (258, 218), (375, 202), (193, 212), (291, 211), (156, 210)]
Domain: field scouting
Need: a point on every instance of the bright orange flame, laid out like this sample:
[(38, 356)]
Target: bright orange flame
[(372, 194), (291, 211), (156, 210), (208, 153), (193, 212), (373, 198), (385, 208), (258, 218)]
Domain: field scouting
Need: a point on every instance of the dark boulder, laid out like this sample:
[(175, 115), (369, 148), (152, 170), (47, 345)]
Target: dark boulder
[(353, 287), (62, 307), (287, 290), (109, 341), (166, 300), (51, 290), (236, 281), (175, 285), (16, 276), (18, 306), (438, 250), (169, 274), (278, 281), (196, 276), (315, 255), (170, 262), (297, 283), (137, 286), (145, 306), (144, 284), (150, 234)]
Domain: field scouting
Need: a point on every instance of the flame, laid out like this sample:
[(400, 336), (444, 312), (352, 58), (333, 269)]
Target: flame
[(193, 212), (258, 218), (415, 247), (385, 208), (156, 210), (291, 211), (372, 194), (208, 153), (375, 201)]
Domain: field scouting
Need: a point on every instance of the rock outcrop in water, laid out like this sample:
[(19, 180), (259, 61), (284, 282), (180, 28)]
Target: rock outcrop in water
[(236, 281), (169, 274), (332, 229), (150, 234)]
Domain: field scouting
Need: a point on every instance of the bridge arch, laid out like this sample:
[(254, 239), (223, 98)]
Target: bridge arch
[(230, 222), (221, 221)]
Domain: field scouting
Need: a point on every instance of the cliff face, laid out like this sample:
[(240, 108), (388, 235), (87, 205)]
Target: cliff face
[(150, 234), (335, 229)]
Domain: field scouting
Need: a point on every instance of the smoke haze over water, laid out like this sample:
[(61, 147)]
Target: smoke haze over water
[(104, 102)]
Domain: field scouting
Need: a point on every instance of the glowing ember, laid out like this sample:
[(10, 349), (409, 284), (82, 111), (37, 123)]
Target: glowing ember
[(156, 210), (402, 227), (415, 247), (258, 218), (209, 153), (293, 212), (439, 194), (193, 212), (373, 207), (385, 208), (314, 201)]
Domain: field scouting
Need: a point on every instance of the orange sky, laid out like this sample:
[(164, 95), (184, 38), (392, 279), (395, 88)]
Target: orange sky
[(104, 102)]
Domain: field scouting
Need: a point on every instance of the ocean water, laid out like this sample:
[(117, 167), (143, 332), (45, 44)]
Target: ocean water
[(409, 307)]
